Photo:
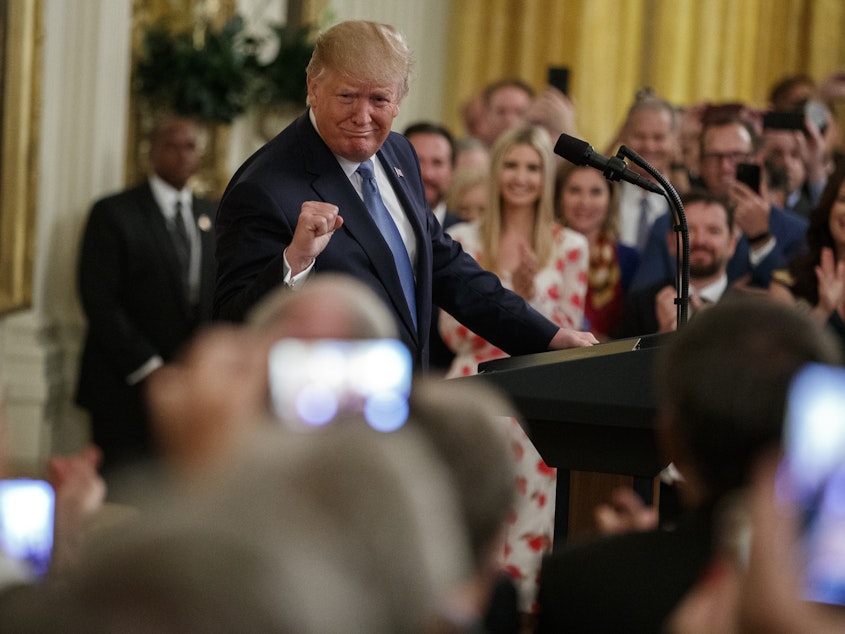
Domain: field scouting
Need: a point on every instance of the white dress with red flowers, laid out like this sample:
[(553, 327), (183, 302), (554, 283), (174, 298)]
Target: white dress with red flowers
[(560, 289)]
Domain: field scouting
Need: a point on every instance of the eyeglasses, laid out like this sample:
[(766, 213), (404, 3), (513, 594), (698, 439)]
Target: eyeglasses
[(733, 157)]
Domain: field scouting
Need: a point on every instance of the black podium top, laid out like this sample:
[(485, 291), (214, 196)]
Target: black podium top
[(589, 409)]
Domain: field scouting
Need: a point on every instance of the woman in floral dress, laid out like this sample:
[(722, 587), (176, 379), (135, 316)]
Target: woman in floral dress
[(545, 263)]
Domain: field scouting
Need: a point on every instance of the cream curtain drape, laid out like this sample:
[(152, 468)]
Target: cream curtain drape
[(687, 50)]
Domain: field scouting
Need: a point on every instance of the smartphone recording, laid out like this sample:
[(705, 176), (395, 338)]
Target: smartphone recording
[(558, 76), (26, 523), (313, 383), (749, 174), (784, 121), (812, 477)]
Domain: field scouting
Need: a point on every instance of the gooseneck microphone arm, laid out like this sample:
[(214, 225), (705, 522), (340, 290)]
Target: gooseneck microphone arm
[(614, 168), (680, 227)]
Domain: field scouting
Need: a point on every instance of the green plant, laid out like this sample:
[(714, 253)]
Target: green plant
[(212, 80), (283, 79)]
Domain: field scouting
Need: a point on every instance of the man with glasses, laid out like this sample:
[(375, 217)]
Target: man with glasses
[(770, 236)]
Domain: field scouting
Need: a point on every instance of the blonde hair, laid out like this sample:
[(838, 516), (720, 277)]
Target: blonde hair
[(363, 50), (463, 180), (490, 226)]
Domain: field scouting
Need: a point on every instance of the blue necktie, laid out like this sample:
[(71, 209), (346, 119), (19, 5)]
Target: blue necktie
[(389, 231)]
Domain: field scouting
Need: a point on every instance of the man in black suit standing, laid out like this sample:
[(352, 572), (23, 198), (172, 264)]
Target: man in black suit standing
[(338, 191), (146, 282), (435, 148)]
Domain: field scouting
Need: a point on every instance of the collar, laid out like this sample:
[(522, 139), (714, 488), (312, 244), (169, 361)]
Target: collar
[(166, 195), (346, 165), (439, 211), (713, 292)]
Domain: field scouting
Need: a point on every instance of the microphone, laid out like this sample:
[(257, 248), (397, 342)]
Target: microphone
[(614, 169)]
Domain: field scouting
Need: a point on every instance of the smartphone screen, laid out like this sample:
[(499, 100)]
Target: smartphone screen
[(749, 173), (784, 121), (558, 76), (26, 523), (812, 477), (313, 383)]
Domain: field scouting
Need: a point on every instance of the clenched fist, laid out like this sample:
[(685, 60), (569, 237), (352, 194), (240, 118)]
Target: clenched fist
[(316, 224)]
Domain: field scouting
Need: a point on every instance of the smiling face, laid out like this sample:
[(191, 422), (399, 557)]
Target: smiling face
[(722, 147), (650, 134), (521, 178), (712, 242), (353, 117), (585, 201), (435, 154)]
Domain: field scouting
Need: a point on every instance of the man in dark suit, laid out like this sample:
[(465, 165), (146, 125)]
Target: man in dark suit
[(145, 284), (713, 241), (297, 207), (722, 384), (435, 148)]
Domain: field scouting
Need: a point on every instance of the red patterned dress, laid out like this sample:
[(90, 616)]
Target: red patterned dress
[(560, 289)]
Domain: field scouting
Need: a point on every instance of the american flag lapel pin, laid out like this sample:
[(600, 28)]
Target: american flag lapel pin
[(399, 172)]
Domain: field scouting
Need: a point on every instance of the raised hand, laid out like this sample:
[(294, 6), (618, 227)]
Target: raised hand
[(524, 274), (317, 223), (831, 278)]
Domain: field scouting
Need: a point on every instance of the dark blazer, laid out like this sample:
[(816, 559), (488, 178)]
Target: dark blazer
[(626, 583), (259, 212), (789, 228), (639, 316), (440, 356), (133, 296)]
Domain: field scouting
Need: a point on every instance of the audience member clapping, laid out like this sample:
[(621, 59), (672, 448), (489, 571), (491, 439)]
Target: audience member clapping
[(651, 130), (546, 263), (816, 279)]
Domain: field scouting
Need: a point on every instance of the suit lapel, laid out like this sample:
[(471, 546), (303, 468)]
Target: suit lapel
[(203, 212), (331, 185), (162, 241)]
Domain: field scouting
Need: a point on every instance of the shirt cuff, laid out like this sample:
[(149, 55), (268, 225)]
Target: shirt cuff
[(295, 280), (152, 364), (757, 256)]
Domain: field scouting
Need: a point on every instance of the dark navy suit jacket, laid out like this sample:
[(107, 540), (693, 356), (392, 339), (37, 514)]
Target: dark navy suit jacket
[(134, 299), (259, 212)]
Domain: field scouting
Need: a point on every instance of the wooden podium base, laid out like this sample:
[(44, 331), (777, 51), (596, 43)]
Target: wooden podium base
[(579, 492)]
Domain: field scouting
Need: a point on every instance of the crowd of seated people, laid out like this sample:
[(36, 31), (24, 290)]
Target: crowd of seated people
[(695, 146)]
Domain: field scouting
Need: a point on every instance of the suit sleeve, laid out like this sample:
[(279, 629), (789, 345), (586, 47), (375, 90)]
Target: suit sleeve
[(103, 266), (478, 300), (252, 234)]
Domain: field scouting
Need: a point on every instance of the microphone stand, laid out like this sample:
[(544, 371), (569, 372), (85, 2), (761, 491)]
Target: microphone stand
[(682, 256)]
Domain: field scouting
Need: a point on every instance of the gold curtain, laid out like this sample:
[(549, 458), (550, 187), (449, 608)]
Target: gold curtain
[(687, 50)]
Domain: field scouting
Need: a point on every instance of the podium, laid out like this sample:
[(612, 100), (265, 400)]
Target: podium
[(586, 410)]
